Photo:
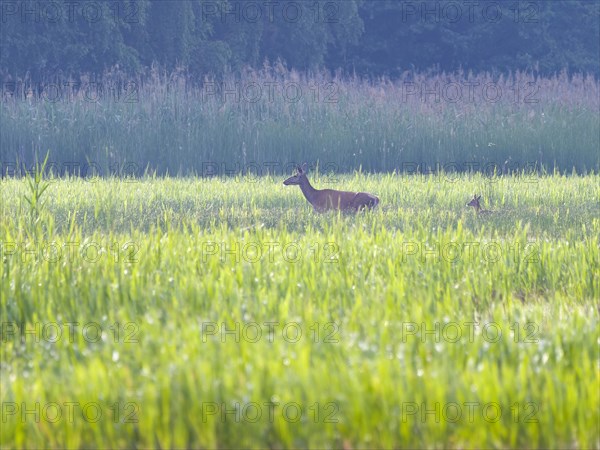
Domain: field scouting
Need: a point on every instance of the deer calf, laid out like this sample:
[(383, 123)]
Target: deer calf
[(329, 199), (475, 204)]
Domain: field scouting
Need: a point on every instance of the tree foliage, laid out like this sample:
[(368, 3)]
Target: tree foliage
[(369, 37)]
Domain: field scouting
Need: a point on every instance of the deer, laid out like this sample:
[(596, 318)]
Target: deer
[(329, 199), (475, 204)]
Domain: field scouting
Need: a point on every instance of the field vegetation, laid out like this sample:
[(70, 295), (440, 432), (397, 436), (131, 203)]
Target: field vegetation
[(216, 309), (252, 123), (224, 313), (161, 288)]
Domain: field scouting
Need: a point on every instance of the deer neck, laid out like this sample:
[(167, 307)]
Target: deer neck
[(310, 193)]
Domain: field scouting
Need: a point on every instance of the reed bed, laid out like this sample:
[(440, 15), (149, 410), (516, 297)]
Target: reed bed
[(263, 119)]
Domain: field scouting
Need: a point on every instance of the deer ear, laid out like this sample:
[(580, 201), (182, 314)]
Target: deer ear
[(479, 197), (304, 167)]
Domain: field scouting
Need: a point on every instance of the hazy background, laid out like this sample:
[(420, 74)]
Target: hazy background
[(223, 86)]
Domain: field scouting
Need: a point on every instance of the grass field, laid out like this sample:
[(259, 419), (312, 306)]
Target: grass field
[(225, 313)]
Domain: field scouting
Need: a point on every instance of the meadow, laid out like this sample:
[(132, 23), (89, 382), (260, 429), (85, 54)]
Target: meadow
[(161, 288), (222, 312)]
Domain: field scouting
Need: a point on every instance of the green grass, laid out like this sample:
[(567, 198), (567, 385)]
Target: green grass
[(363, 289)]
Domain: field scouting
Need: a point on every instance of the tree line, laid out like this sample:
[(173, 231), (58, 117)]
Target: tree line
[(370, 38)]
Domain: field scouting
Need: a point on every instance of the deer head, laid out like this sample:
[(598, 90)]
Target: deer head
[(475, 202), (298, 178)]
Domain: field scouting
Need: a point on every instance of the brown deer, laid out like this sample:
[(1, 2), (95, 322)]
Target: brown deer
[(475, 204), (328, 199)]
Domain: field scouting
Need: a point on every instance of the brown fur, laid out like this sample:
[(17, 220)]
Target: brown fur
[(329, 199), (475, 204)]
